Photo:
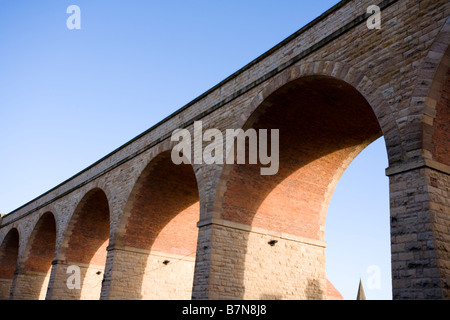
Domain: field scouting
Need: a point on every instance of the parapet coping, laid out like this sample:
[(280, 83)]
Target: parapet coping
[(417, 164)]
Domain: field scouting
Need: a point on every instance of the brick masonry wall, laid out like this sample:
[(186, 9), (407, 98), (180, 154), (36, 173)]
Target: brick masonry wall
[(149, 277), (419, 224), (63, 282), (31, 285), (248, 267), (439, 193), (32, 280), (5, 288)]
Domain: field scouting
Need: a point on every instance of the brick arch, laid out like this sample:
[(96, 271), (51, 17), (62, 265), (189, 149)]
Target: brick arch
[(161, 170), (92, 208), (148, 162), (41, 244), (35, 266), (440, 137), (326, 143), (9, 253), (435, 81), (339, 71), (324, 123), (157, 236), (346, 73), (84, 245)]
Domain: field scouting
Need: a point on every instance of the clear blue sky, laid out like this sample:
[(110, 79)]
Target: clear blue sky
[(69, 97)]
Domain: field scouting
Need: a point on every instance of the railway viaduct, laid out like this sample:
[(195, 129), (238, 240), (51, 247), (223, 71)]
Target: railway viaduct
[(137, 226)]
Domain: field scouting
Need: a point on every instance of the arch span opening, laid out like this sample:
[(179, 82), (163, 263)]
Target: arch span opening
[(34, 273), (154, 256), (324, 123), (358, 233), (9, 251), (80, 269)]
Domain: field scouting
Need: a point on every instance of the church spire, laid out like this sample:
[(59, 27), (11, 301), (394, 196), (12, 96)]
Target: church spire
[(361, 295)]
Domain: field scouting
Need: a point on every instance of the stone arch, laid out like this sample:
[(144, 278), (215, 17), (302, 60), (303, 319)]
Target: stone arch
[(83, 249), (338, 70), (32, 279), (153, 254), (434, 80), (327, 113), (9, 253)]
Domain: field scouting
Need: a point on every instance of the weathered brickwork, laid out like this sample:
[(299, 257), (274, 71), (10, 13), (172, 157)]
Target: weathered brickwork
[(419, 224), (33, 276), (247, 266), (441, 136), (8, 255), (91, 277), (140, 227), (439, 193), (335, 126), (29, 285), (159, 222), (153, 275)]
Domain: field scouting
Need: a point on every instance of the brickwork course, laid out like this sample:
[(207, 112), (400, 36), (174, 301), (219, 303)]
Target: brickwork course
[(140, 227)]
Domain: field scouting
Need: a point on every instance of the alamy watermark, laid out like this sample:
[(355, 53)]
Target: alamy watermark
[(374, 280), (228, 147), (74, 280), (374, 21), (74, 20)]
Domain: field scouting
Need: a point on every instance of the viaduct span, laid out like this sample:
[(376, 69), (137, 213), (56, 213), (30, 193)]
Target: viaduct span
[(139, 226)]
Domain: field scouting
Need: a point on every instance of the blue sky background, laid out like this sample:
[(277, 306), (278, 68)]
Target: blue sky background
[(69, 97)]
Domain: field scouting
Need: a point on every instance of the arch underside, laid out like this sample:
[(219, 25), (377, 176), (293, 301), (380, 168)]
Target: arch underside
[(158, 234), (33, 275), (83, 248), (439, 132), (9, 250), (323, 123)]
